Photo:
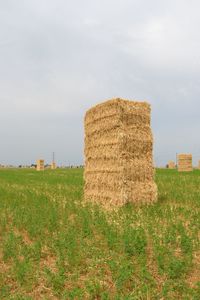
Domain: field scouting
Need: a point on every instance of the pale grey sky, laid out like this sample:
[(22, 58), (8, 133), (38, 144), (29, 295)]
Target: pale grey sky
[(59, 57)]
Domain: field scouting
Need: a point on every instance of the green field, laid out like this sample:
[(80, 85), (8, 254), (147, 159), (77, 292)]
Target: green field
[(54, 247)]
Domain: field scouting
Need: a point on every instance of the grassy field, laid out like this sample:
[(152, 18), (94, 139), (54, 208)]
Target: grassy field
[(53, 247)]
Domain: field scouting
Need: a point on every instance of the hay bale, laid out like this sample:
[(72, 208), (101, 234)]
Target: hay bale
[(40, 165), (53, 166), (199, 164), (185, 163), (171, 165), (118, 154)]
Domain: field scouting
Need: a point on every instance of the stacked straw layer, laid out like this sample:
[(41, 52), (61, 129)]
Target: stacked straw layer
[(171, 165), (185, 163), (40, 165), (118, 154)]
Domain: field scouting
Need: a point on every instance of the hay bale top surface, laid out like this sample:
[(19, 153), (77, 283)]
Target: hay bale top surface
[(142, 107), (184, 155)]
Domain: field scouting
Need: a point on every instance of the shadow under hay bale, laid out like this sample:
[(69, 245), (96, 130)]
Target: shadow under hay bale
[(118, 154), (185, 163)]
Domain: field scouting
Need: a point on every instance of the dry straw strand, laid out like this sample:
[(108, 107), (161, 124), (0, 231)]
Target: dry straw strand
[(118, 154)]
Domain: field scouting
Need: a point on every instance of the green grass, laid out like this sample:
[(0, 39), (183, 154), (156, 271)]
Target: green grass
[(54, 247)]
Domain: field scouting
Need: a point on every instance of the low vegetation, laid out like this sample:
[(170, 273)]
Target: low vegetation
[(54, 247)]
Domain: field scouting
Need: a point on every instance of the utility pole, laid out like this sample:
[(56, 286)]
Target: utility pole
[(53, 157), (53, 164)]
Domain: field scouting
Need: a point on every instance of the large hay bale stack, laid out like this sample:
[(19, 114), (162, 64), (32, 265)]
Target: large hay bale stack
[(171, 165), (118, 154), (40, 165), (185, 163)]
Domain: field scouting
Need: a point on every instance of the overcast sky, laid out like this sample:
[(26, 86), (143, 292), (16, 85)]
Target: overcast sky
[(59, 57)]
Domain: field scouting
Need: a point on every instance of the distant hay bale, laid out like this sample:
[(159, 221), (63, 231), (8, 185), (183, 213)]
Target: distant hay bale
[(185, 163), (199, 164), (171, 165), (40, 165), (118, 154), (53, 166)]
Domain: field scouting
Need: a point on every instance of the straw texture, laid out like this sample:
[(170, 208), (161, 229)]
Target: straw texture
[(118, 154), (185, 163), (40, 165)]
